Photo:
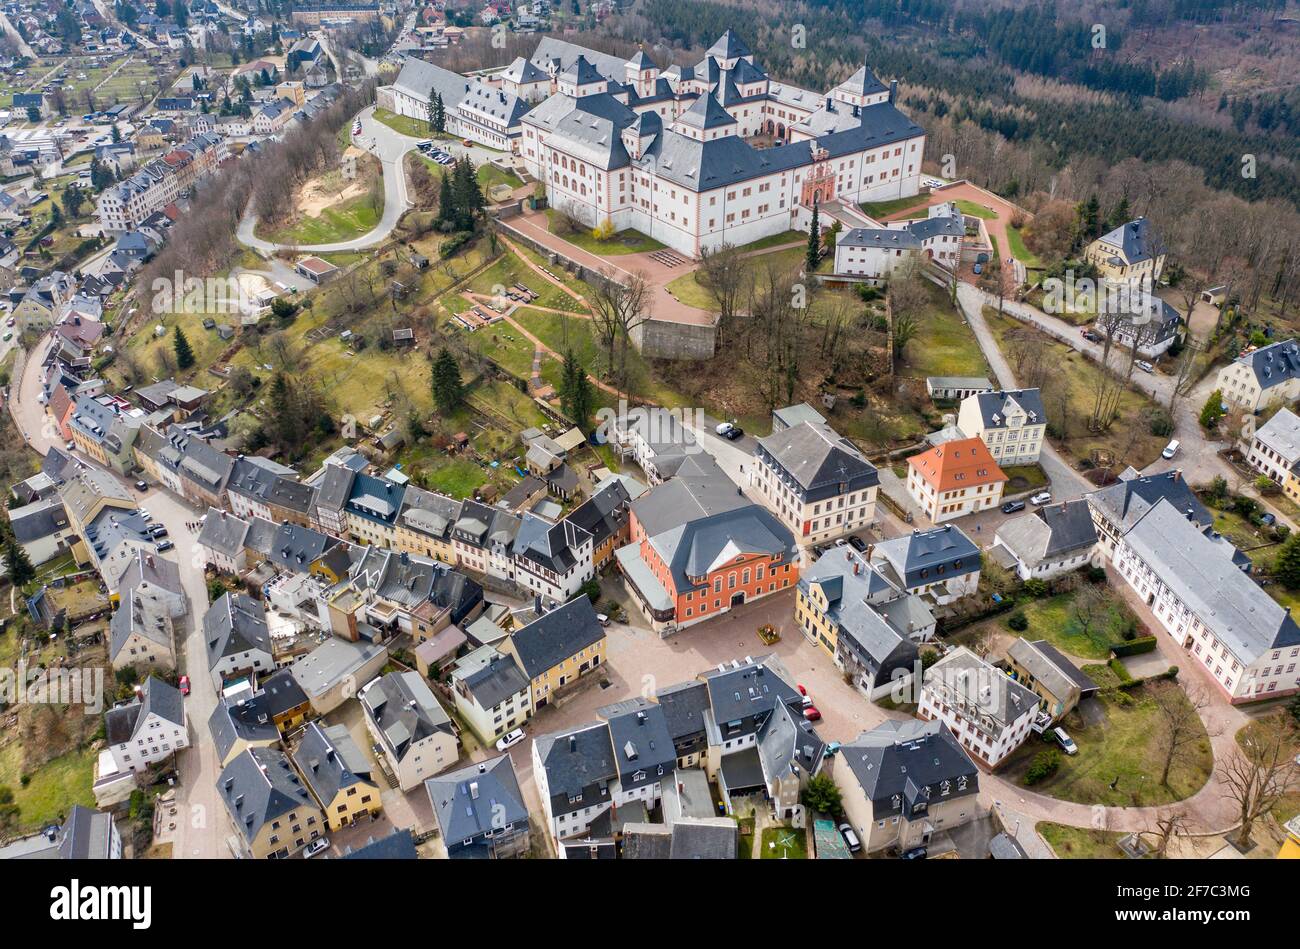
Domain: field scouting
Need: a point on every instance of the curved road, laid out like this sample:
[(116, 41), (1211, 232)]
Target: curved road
[(389, 147)]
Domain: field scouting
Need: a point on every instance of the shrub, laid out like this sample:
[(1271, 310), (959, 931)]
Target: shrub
[(1160, 422), (1096, 574), (1018, 621), (1036, 587), (1045, 764)]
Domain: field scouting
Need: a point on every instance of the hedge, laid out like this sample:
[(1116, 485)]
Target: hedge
[(1134, 647)]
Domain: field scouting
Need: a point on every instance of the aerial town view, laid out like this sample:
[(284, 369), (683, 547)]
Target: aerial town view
[(651, 430)]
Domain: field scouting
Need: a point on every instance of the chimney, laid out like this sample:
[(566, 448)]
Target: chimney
[(857, 566), (893, 89), (537, 604), (573, 743)]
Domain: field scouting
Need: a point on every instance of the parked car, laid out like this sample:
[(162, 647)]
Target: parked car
[(1065, 741), (157, 530), (510, 739), (1268, 520), (185, 685), (1041, 498), (1012, 506), (70, 446), (810, 712), (142, 486), (916, 853), (164, 546), (1091, 337), (857, 543), (317, 846), (723, 428), (850, 838), (145, 515), (1170, 450), (602, 619), (733, 433), (1145, 366)]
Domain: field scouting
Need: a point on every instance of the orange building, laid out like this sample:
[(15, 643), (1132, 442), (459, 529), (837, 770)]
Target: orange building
[(699, 547), (956, 478)]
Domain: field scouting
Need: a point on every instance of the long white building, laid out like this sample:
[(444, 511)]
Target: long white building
[(692, 156)]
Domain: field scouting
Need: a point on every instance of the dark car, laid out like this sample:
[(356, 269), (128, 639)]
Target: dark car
[(916, 853), (733, 433), (1012, 506), (165, 546), (857, 543)]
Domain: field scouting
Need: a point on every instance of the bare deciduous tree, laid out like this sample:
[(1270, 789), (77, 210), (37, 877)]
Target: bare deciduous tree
[(1257, 774)]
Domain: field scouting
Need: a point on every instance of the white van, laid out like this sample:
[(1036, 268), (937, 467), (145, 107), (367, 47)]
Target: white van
[(1170, 450), (1065, 741)]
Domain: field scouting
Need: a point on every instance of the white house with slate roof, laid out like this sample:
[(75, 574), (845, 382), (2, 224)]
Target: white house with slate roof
[(873, 253), (941, 564), (236, 637), (988, 713), (1050, 541), (1198, 592), (552, 560), (667, 152), (1263, 377), (1274, 451), (411, 727), (1011, 424), (815, 481), (149, 728), (576, 775)]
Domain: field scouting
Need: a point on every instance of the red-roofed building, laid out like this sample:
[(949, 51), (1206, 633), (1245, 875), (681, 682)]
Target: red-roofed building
[(956, 478)]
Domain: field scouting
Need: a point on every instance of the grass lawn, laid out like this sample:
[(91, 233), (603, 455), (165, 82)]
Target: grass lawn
[(348, 219), (775, 240), (691, 292), (1080, 843), (944, 345), (1069, 393), (975, 210), (1052, 618), (489, 176), (1020, 251), (789, 844), (1024, 477), (1125, 749), (52, 789), (456, 477), (1288, 806), (416, 128), (879, 209), (630, 241)]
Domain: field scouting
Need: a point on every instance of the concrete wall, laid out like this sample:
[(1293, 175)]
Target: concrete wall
[(660, 339)]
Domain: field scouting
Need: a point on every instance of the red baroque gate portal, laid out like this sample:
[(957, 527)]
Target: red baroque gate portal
[(819, 186)]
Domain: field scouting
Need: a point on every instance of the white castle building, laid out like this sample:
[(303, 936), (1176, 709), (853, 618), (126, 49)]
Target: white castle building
[(692, 156)]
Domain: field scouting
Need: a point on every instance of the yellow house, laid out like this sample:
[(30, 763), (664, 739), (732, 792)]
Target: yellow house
[(337, 774), (558, 648), (423, 526), (270, 809), (811, 606), (1132, 253)]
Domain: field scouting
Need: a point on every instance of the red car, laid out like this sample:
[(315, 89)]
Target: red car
[(185, 685), (802, 690), (812, 714)]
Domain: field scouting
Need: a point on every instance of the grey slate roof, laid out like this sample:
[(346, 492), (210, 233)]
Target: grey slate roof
[(577, 760), (258, 787), (295, 547), (550, 546), (1274, 364), (994, 406), (917, 557), (223, 532), (1136, 239), (233, 624), (901, 764), (820, 461), (1229, 603), (418, 77), (466, 812), (1054, 532), (42, 519), (159, 698), (1127, 500), (749, 690), (1280, 433), (330, 761), (495, 681), (399, 845), (404, 711), (557, 635), (248, 719), (729, 46), (642, 745)]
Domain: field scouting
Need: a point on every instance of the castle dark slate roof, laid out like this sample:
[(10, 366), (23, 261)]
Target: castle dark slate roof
[(816, 461), (729, 46), (1136, 240), (1274, 364)]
